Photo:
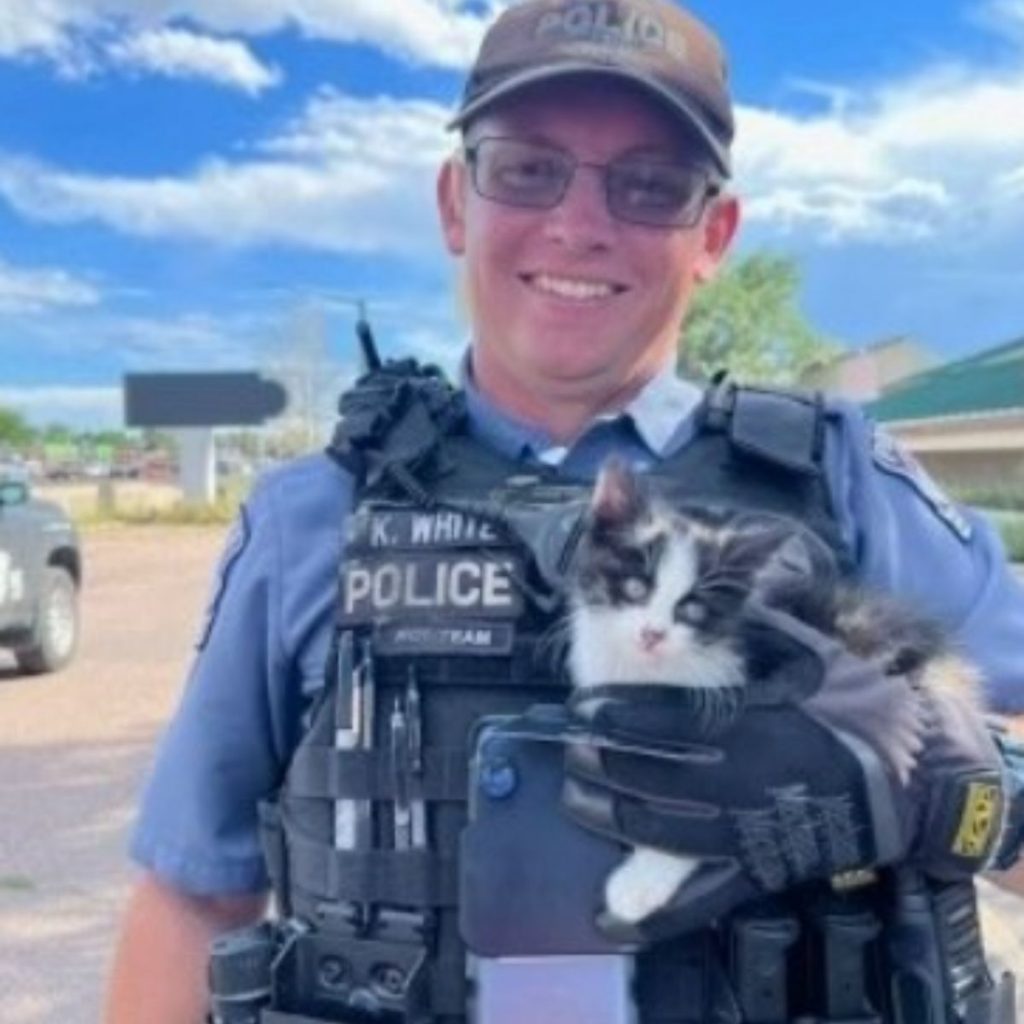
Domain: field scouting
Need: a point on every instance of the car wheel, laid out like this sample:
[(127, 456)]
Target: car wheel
[(55, 635)]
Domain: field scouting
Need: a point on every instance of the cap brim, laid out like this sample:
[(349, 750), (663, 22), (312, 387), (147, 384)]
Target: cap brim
[(676, 103)]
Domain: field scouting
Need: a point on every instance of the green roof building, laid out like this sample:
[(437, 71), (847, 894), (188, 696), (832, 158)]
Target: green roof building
[(964, 420), (989, 383)]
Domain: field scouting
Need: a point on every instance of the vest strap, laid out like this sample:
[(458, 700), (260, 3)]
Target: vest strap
[(412, 878), (268, 1016), (786, 428), (326, 773)]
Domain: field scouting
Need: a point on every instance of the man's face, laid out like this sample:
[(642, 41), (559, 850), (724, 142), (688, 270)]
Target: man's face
[(570, 303)]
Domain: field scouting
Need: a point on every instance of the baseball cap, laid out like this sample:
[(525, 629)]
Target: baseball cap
[(653, 44)]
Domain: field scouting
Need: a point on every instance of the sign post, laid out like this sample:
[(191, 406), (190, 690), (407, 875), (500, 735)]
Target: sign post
[(190, 405)]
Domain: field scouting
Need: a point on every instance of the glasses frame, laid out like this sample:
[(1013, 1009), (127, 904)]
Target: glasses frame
[(712, 182)]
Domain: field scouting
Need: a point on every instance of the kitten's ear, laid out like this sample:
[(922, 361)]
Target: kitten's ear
[(619, 496)]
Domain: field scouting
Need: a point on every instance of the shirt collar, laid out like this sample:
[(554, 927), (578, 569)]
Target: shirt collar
[(656, 413)]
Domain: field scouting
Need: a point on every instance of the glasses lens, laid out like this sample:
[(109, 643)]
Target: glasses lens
[(661, 194), (520, 173)]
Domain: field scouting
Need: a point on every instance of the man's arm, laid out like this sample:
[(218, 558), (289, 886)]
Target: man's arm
[(159, 972), (1012, 880)]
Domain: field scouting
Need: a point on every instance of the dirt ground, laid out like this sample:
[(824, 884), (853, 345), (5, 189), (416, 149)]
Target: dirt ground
[(75, 747)]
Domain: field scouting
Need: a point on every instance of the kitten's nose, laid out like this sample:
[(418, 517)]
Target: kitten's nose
[(651, 637)]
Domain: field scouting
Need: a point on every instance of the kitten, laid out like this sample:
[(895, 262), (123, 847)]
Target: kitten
[(656, 596)]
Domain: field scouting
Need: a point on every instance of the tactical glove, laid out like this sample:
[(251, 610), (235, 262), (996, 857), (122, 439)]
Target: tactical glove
[(831, 766)]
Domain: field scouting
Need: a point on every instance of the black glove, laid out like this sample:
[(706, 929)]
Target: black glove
[(831, 766)]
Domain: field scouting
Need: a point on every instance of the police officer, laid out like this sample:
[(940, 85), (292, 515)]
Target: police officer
[(587, 202)]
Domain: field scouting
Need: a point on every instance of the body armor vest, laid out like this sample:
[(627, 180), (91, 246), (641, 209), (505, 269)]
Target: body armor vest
[(441, 620)]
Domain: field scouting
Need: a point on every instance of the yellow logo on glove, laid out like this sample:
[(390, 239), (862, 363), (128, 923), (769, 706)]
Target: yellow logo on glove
[(980, 820)]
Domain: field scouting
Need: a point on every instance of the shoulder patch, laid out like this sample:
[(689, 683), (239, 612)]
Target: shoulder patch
[(238, 540), (893, 458)]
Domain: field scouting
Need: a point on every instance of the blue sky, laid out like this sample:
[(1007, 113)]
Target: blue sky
[(198, 183)]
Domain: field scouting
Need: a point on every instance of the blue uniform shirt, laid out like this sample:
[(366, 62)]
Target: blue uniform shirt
[(263, 647)]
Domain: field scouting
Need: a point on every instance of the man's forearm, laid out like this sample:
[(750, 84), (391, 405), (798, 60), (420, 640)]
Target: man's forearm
[(1010, 738), (1011, 880), (159, 970)]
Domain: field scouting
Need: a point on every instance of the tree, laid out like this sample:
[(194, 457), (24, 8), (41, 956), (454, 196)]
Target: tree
[(14, 429), (303, 362), (747, 320)]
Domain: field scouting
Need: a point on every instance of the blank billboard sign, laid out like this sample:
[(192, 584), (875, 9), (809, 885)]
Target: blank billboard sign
[(227, 399)]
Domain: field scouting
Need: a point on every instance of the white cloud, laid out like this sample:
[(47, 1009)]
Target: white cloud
[(176, 53), (1011, 184), (24, 290), (139, 342), (188, 340), (897, 162), (349, 175), (442, 33), (82, 407), (903, 161), (1003, 16), (35, 29)]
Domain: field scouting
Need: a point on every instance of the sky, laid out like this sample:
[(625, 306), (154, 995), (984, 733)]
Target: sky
[(191, 184)]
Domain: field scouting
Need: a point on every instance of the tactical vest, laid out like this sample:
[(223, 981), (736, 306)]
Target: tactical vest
[(441, 622)]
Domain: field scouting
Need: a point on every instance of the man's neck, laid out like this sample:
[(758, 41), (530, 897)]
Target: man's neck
[(562, 411), (563, 416)]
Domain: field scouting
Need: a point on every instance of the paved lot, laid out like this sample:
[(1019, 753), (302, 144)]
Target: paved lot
[(75, 747)]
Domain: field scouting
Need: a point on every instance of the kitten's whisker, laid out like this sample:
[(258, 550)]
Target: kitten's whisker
[(555, 640)]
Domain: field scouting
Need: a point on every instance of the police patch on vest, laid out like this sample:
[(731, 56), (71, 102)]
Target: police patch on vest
[(485, 639), (407, 584), (892, 458)]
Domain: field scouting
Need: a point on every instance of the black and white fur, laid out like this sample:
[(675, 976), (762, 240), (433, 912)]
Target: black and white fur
[(656, 596)]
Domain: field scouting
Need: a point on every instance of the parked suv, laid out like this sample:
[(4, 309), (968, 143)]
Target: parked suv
[(40, 578)]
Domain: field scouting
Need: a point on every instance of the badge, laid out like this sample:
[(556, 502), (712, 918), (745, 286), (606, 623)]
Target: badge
[(892, 458), (238, 540)]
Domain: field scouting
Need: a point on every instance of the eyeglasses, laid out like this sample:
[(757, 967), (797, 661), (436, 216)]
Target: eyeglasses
[(639, 189)]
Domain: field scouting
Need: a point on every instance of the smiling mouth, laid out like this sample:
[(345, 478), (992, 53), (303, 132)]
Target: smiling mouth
[(572, 288)]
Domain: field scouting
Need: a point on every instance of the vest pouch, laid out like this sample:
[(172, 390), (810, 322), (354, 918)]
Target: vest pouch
[(322, 976), (520, 851), (531, 879)]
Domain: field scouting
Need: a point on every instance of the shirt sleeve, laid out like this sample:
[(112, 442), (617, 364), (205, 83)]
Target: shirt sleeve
[(912, 540), (230, 739)]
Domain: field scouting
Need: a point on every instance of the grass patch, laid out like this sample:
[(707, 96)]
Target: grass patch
[(1012, 530), (16, 883), (1004, 499), (164, 513), (1004, 506), (179, 513)]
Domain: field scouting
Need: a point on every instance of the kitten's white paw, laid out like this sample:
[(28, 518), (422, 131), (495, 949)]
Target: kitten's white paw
[(644, 883)]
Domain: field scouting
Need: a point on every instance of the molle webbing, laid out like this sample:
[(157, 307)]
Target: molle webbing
[(324, 773)]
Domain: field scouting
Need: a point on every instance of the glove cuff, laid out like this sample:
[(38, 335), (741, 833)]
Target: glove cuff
[(965, 788), (1010, 841), (963, 823)]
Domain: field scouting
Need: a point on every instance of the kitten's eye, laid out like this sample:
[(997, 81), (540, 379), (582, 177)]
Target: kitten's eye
[(634, 588), (693, 611)]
